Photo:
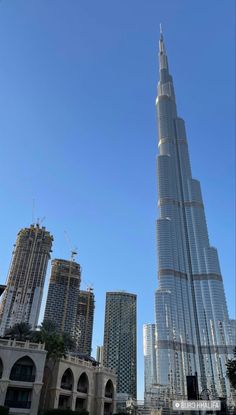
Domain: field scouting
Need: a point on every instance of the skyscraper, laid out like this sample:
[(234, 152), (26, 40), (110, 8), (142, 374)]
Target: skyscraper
[(193, 328), (84, 322), (63, 293), (149, 350), (22, 298), (120, 340)]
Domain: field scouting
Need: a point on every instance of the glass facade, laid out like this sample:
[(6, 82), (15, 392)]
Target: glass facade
[(192, 323)]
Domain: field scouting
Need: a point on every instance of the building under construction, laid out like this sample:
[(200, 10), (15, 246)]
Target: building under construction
[(63, 294), (84, 322), (22, 297)]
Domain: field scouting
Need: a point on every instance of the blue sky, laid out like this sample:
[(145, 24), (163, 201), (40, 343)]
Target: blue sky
[(78, 132)]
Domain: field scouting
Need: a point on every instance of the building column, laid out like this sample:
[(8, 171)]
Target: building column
[(89, 403), (99, 405), (73, 401), (3, 390), (35, 398)]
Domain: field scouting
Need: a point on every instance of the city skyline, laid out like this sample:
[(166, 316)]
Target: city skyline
[(61, 139)]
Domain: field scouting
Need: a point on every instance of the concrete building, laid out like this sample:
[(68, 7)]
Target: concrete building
[(63, 294), (22, 297), (120, 340), (84, 322), (21, 375), (193, 327), (76, 384), (149, 351)]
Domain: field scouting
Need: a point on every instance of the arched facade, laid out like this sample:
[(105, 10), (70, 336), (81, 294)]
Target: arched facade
[(67, 380), (83, 383), (109, 389), (83, 390), (23, 370), (21, 375), (108, 398)]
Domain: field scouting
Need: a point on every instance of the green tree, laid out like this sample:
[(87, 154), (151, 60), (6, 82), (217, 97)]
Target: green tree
[(231, 370), (20, 331), (56, 344)]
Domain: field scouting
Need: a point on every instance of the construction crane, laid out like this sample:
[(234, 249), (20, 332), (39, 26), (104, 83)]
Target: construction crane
[(72, 259)]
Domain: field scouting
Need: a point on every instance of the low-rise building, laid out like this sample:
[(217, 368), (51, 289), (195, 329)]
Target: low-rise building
[(21, 375), (27, 383), (72, 383)]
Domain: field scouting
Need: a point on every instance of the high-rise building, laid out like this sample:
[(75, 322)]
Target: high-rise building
[(193, 328), (84, 322), (22, 297), (149, 351), (99, 355), (233, 329), (63, 293), (120, 340)]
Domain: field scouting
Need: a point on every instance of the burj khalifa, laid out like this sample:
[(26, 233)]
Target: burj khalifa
[(193, 333)]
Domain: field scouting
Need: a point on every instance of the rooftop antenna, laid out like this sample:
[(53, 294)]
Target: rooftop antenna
[(161, 30)]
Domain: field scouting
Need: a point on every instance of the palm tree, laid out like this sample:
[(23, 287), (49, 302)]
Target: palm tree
[(20, 331), (57, 346), (231, 370)]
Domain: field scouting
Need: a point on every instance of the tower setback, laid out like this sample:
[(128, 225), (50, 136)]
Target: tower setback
[(193, 328)]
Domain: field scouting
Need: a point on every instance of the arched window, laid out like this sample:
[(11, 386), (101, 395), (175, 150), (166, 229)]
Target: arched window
[(1, 367), (109, 389), (24, 370), (67, 380), (83, 383)]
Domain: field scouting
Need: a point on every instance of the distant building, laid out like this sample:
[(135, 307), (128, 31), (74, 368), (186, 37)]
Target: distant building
[(76, 384), (63, 294), (120, 340), (84, 322), (149, 351), (99, 355), (21, 375), (22, 297)]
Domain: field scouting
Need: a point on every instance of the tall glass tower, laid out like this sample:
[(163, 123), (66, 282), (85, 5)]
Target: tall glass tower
[(192, 323)]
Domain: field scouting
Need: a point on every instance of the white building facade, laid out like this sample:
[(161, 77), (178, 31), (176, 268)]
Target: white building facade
[(21, 375)]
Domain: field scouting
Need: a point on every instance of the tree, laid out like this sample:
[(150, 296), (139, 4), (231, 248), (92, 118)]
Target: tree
[(231, 370), (56, 344), (20, 331)]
